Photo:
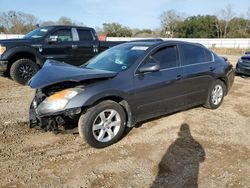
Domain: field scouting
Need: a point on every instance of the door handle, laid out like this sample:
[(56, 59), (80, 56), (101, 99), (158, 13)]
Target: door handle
[(211, 69), (74, 46), (178, 77), (95, 48)]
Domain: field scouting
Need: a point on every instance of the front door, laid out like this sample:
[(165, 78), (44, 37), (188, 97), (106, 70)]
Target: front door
[(160, 92), (61, 49)]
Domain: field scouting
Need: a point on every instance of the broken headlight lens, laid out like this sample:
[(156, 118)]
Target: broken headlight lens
[(2, 49), (57, 101)]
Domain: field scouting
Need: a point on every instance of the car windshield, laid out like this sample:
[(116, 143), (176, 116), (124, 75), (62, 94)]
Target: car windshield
[(118, 58), (38, 33)]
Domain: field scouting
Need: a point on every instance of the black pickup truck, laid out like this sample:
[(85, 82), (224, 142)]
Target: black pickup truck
[(21, 58)]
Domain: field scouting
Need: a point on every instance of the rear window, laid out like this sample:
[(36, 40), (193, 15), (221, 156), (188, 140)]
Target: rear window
[(85, 35), (195, 54)]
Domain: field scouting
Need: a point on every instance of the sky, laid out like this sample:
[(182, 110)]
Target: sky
[(132, 13)]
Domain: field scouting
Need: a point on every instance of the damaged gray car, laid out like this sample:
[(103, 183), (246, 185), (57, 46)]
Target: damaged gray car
[(127, 84)]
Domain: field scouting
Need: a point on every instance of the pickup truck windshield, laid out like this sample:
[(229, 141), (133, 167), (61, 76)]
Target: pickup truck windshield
[(117, 58), (38, 33)]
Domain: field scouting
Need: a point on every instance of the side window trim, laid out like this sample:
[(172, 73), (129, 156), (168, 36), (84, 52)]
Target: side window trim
[(75, 34), (94, 37)]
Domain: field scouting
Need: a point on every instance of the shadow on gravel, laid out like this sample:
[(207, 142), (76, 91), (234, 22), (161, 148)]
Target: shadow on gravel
[(179, 166)]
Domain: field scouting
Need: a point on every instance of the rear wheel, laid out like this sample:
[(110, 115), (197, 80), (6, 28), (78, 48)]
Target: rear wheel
[(103, 124), (216, 95), (22, 70)]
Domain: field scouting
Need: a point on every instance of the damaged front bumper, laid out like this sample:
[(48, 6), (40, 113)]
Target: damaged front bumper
[(52, 122), (3, 67)]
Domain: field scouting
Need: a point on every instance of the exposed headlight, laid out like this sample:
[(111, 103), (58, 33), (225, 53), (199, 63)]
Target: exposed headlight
[(240, 61), (2, 49), (57, 101)]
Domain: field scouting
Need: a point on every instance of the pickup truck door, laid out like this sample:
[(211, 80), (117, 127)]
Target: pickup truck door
[(61, 48), (86, 45)]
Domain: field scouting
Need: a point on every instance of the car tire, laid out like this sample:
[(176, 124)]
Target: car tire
[(216, 95), (103, 124), (22, 70)]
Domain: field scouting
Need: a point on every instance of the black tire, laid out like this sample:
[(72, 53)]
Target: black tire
[(87, 120), (210, 103), (22, 70)]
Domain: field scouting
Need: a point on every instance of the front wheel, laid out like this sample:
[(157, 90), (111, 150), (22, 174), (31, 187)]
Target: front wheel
[(215, 95), (22, 70), (103, 124)]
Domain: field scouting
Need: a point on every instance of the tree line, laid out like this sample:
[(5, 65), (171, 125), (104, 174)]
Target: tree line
[(224, 24)]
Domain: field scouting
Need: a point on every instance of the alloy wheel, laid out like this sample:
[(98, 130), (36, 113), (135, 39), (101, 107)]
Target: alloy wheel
[(217, 94), (106, 125)]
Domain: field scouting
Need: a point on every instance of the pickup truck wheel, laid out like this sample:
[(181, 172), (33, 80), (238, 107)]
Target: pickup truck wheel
[(215, 95), (22, 70), (103, 124)]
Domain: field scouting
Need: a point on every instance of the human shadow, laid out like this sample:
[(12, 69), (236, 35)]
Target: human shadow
[(179, 166)]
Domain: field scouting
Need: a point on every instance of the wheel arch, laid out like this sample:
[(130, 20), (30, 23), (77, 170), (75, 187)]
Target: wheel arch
[(225, 81), (125, 105), (20, 53)]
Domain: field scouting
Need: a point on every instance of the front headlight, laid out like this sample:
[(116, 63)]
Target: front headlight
[(2, 49), (57, 101)]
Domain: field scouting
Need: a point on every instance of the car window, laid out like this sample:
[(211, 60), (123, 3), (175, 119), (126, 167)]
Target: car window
[(62, 35), (195, 54), (118, 58), (85, 35), (208, 55), (166, 57), (39, 32)]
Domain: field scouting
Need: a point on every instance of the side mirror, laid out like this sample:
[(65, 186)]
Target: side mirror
[(149, 67), (52, 39)]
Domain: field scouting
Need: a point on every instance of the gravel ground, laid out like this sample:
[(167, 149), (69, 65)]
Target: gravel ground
[(197, 147)]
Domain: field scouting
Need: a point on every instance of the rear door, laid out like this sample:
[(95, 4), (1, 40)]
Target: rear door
[(86, 46), (160, 92), (198, 69)]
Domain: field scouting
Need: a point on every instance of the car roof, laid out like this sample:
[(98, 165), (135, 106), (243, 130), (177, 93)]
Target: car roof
[(68, 26), (155, 43)]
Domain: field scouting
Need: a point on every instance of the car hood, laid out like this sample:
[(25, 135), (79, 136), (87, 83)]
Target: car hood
[(14, 41), (54, 72)]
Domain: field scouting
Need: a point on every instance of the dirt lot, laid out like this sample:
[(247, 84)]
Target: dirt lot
[(208, 148)]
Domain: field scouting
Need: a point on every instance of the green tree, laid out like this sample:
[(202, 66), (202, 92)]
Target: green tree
[(116, 30), (197, 27), (143, 33)]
